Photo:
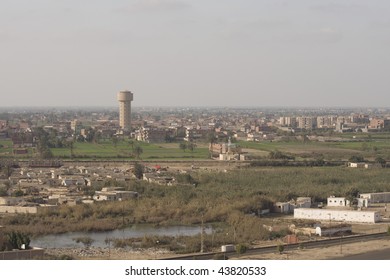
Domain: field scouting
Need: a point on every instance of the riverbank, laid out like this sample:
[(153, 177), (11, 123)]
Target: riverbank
[(98, 253), (324, 253)]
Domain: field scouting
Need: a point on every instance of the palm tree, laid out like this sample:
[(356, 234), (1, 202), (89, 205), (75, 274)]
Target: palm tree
[(131, 143), (138, 151), (191, 146), (183, 146), (115, 141), (71, 147)]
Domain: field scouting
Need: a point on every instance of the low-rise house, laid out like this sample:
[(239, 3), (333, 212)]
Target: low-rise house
[(363, 202), (9, 201), (23, 140), (104, 196), (14, 179), (26, 208), (83, 170), (337, 215), (303, 202), (254, 137), (336, 229), (338, 202), (73, 181), (58, 199), (283, 207), (30, 182), (380, 197), (364, 165), (158, 179), (357, 164), (113, 194)]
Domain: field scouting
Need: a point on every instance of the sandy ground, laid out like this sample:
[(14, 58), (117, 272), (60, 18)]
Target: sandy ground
[(330, 252)]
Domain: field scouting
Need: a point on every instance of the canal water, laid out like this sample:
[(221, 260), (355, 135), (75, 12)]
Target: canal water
[(66, 240)]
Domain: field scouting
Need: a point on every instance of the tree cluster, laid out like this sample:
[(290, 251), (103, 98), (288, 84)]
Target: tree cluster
[(15, 240)]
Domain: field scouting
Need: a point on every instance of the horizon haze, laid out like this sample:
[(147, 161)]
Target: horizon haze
[(182, 53)]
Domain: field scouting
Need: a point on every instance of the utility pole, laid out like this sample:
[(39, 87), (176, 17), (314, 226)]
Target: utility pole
[(202, 237)]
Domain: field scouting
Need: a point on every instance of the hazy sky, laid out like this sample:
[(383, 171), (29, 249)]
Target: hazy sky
[(195, 53)]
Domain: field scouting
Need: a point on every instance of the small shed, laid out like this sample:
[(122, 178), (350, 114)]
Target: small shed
[(338, 202), (283, 207), (303, 202), (335, 230), (228, 248)]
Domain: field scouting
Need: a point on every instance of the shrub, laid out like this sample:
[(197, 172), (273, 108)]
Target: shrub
[(16, 239), (280, 248), (87, 241), (241, 248)]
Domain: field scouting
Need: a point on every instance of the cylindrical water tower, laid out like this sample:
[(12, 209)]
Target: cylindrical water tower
[(125, 97)]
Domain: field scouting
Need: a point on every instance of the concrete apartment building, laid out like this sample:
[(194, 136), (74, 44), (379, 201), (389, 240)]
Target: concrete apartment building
[(196, 133), (307, 122), (152, 134), (379, 123), (288, 121), (326, 121)]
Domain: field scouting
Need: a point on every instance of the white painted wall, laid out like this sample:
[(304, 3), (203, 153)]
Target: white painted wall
[(337, 215), (382, 197), (337, 202)]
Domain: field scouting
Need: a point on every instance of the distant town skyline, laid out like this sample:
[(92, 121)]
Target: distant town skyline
[(257, 53)]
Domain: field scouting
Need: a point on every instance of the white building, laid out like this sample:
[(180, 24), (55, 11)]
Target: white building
[(338, 202), (73, 181), (337, 215), (328, 231), (363, 202), (382, 197), (360, 165), (114, 195), (303, 202)]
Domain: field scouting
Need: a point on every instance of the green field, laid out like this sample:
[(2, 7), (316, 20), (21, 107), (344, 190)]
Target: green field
[(107, 150), (370, 149), (5, 147)]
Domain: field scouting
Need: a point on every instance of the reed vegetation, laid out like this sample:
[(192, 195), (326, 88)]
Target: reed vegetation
[(232, 199)]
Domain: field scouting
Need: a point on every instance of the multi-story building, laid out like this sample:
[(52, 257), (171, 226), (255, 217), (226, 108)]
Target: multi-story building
[(75, 126), (288, 121), (152, 134), (307, 122), (378, 123), (193, 133), (325, 121)]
